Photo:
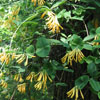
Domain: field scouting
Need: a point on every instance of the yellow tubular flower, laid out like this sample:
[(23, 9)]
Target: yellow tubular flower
[(82, 95), (13, 56), (21, 59), (74, 55), (42, 80), (22, 88), (30, 76), (40, 2), (7, 59), (38, 85), (18, 77), (4, 84), (74, 92), (52, 22), (26, 62)]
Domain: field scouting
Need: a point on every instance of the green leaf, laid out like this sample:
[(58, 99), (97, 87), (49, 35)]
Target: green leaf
[(90, 59), (42, 47), (77, 18), (97, 61), (82, 81), (58, 4), (30, 49), (87, 38), (95, 84), (68, 70), (87, 47), (99, 95), (61, 84), (76, 42), (98, 30), (53, 41), (92, 69), (61, 13)]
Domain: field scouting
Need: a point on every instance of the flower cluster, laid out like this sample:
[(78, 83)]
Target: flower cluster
[(4, 58), (22, 88), (52, 22), (4, 84), (30, 76), (42, 80), (40, 2), (18, 77), (74, 55), (74, 92)]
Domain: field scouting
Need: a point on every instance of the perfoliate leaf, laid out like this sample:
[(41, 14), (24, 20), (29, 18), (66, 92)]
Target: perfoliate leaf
[(42, 47)]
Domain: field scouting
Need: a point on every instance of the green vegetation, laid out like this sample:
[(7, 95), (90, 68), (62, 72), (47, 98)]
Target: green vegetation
[(49, 49)]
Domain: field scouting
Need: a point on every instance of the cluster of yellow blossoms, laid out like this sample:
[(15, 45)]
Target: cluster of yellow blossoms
[(74, 55), (74, 92), (6, 57), (22, 88), (18, 77), (31, 76), (40, 2), (42, 80), (52, 22), (4, 84)]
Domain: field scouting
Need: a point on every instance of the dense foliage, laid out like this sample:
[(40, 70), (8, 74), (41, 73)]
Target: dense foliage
[(49, 49)]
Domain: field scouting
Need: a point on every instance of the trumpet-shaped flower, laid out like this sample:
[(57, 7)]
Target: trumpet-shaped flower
[(4, 58), (75, 92), (22, 88), (4, 84), (75, 55), (30, 76), (52, 22), (40, 2), (42, 80), (18, 77)]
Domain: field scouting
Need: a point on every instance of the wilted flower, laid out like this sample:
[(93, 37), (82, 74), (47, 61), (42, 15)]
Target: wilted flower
[(75, 55), (4, 84), (74, 92), (22, 88), (52, 22)]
